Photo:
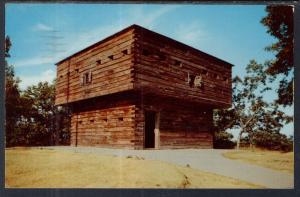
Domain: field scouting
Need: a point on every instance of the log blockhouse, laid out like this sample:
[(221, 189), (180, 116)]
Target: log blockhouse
[(139, 89)]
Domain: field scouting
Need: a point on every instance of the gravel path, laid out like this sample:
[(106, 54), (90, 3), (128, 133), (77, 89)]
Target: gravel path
[(210, 160)]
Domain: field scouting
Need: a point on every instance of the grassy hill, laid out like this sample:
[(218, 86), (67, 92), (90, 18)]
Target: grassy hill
[(42, 168)]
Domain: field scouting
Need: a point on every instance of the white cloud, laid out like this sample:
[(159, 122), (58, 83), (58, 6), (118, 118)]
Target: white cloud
[(33, 61), (192, 34), (76, 42), (28, 80), (42, 27), (85, 39), (149, 20), (137, 16)]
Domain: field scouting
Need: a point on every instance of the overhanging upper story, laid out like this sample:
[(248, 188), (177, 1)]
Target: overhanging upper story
[(142, 60)]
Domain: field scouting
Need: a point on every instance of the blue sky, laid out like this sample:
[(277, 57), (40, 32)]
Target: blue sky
[(43, 34)]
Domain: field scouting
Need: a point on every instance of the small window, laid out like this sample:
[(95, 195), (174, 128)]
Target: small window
[(191, 80), (86, 78), (121, 118), (105, 119), (92, 121), (177, 63), (162, 57), (111, 57), (98, 61), (204, 72), (225, 79), (145, 52), (125, 52), (80, 122), (77, 70), (61, 76)]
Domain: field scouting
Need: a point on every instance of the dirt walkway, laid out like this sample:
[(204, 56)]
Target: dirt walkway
[(209, 160)]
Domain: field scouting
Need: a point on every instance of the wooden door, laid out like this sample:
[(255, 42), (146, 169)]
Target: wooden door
[(149, 129)]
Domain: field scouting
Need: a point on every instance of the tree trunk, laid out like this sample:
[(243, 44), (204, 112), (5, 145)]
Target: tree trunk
[(239, 140), (251, 141), (57, 129)]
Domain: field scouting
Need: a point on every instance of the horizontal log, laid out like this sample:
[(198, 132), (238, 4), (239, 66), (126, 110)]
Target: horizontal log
[(112, 42), (180, 76)]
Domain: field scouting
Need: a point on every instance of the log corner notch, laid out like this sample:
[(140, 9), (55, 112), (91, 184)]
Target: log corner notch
[(121, 72)]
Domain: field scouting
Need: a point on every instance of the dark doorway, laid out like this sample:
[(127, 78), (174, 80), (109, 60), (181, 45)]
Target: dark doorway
[(149, 129)]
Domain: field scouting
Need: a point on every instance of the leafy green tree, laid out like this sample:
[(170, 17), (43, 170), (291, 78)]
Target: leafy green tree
[(39, 100), (7, 46), (31, 116), (63, 118), (223, 140), (273, 141), (279, 23), (13, 106), (250, 113), (45, 123)]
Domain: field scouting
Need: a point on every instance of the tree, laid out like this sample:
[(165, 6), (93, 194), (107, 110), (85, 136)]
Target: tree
[(250, 113), (279, 23), (39, 100), (13, 105), (31, 116), (223, 139), (7, 46), (43, 120), (273, 141), (262, 120)]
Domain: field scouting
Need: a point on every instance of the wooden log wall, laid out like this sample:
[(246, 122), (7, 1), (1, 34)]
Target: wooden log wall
[(185, 129), (112, 83), (118, 122), (163, 65), (110, 64), (108, 122), (136, 58), (182, 125)]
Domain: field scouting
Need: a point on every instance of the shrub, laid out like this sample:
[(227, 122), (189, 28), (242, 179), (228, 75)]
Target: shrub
[(273, 141), (223, 140)]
